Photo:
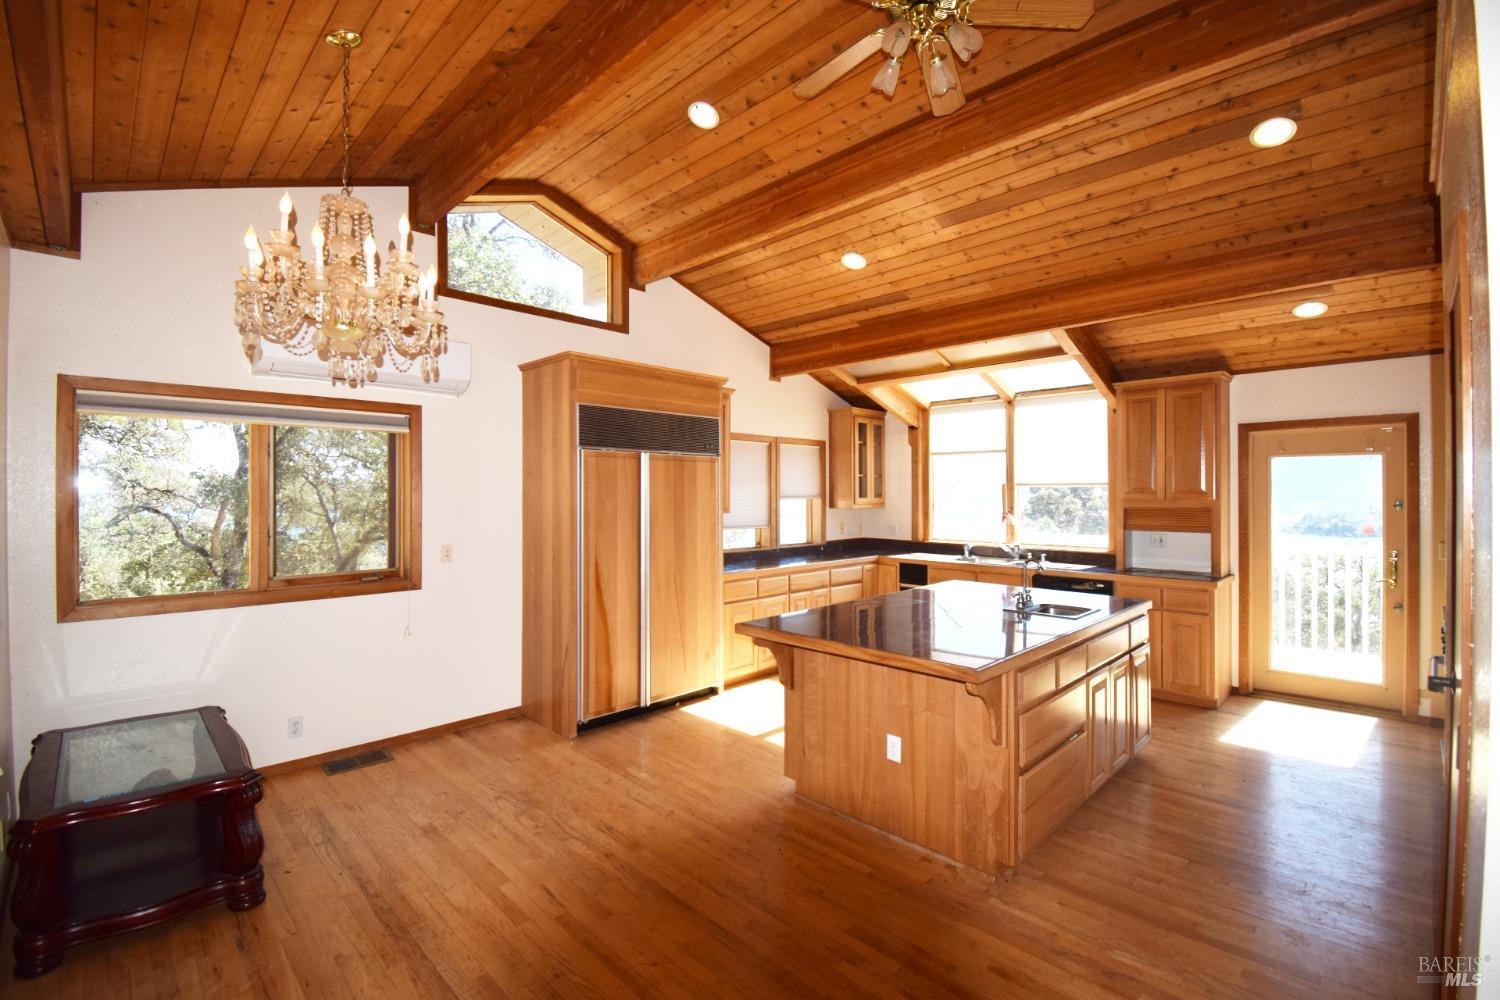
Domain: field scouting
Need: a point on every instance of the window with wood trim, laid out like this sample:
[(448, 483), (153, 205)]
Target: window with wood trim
[(968, 468), (182, 498), (528, 248), (1061, 469), (800, 509), (776, 492)]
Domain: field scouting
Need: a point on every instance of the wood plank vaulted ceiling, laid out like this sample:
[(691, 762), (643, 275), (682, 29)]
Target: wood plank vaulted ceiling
[(1098, 181)]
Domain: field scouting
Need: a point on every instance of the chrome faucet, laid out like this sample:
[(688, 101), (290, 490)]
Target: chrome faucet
[(966, 556), (1024, 599)]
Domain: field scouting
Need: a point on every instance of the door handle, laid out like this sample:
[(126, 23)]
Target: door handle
[(1438, 678), (1395, 561)]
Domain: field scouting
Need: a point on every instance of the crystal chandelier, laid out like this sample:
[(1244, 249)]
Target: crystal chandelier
[(346, 307)]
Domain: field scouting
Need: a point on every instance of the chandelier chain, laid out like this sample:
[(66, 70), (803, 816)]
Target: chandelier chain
[(348, 133)]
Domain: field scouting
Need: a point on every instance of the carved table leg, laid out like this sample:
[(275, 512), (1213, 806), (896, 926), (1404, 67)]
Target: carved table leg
[(36, 904), (243, 844)]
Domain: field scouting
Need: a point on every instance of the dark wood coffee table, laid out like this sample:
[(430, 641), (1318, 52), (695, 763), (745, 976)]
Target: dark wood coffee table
[(129, 823)]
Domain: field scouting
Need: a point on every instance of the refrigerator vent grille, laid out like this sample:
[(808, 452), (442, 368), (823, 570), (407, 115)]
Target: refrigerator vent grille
[(618, 429)]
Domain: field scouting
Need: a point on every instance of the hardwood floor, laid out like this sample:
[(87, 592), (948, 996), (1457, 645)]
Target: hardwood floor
[(668, 856)]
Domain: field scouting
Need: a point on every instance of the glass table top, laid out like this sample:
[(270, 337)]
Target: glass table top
[(139, 755)]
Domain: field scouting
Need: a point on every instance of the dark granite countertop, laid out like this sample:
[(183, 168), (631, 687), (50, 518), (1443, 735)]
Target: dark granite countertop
[(963, 626), (1067, 564)]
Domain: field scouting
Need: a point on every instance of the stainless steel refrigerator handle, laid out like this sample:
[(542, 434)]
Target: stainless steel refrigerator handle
[(645, 657)]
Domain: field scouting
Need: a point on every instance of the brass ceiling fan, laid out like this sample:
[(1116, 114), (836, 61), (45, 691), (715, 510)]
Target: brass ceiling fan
[(939, 30)]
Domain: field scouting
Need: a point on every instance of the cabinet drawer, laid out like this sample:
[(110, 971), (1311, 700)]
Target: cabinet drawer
[(815, 579), (739, 590), (1140, 631), (1072, 665), (838, 576), (1006, 578), (1138, 592), (770, 586), (846, 592), (1198, 602), (1051, 791), (1108, 646), (1051, 723), (1036, 683)]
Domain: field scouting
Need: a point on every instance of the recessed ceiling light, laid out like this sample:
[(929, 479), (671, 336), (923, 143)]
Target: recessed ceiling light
[(1309, 310), (703, 114), (854, 261), (1273, 132)]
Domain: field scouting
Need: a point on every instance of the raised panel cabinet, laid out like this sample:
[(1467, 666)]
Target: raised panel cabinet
[(856, 458), (1140, 431), (1189, 435), (1121, 696), (1187, 654), (739, 650), (1140, 679), (1100, 729), (612, 580)]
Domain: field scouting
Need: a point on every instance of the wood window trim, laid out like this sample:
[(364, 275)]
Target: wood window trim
[(590, 228), (261, 588)]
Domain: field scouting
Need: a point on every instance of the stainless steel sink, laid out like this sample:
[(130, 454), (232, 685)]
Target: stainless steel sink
[(1055, 610)]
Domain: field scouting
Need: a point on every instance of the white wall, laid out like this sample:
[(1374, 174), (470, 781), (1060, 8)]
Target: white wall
[(1401, 385), (151, 298), (7, 783)]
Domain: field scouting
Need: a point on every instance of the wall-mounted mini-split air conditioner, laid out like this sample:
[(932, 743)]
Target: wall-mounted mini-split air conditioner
[(454, 369)]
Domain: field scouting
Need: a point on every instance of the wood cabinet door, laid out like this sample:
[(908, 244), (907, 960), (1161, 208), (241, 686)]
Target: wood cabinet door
[(1186, 653), (1101, 729), (870, 580), (1121, 692), (1190, 435), (739, 651), (877, 464), (1140, 429), (683, 574), (1140, 679), (845, 592), (769, 607), (611, 525)]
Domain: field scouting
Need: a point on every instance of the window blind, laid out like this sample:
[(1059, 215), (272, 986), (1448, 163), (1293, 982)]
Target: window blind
[(801, 473), (749, 485), (967, 427), (234, 411), (1062, 440)]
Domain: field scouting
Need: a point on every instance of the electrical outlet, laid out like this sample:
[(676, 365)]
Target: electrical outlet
[(893, 748), (445, 554), (1158, 541), (294, 728)]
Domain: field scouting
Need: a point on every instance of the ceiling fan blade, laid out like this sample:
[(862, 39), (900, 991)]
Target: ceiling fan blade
[(1067, 14), (950, 101), (840, 65)]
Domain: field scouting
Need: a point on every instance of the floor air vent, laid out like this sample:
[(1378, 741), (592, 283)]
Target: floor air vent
[(366, 759)]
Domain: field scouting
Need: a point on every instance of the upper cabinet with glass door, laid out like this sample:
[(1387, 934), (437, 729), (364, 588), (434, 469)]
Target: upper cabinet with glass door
[(856, 458)]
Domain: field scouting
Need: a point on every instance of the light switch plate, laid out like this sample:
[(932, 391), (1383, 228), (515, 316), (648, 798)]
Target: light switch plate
[(445, 554), (893, 748)]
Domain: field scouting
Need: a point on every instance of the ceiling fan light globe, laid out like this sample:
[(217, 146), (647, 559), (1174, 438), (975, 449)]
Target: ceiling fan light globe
[(887, 76), (965, 40), (896, 38)]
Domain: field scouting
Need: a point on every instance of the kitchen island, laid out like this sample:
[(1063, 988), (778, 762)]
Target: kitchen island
[(951, 719)]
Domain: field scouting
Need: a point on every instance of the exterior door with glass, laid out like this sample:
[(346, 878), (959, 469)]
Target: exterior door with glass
[(1332, 571)]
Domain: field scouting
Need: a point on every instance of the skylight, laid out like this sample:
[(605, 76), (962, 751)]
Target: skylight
[(1032, 378), (966, 385)]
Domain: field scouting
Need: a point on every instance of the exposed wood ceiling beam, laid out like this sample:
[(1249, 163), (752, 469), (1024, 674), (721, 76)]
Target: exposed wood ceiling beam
[(1084, 349), (585, 44), (844, 390), (893, 399), (960, 367), (35, 28), (1171, 51), (1402, 239)]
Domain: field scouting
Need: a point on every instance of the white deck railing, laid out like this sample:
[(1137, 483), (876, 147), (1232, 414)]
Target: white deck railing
[(1326, 594)]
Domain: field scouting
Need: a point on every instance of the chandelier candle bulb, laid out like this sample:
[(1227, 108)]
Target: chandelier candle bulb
[(286, 210), (403, 227), (252, 248)]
